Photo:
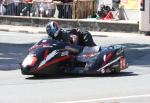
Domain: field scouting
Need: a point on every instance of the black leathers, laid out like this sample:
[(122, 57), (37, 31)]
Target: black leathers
[(85, 38)]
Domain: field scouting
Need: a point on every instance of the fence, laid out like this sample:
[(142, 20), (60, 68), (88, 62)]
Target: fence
[(84, 8), (77, 9)]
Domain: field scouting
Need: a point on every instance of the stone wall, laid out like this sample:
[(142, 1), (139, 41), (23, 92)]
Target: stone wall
[(83, 24)]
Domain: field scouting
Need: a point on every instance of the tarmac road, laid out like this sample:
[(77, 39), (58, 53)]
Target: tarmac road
[(130, 86)]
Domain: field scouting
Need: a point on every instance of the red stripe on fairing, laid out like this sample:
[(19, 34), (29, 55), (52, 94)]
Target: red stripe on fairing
[(52, 62), (108, 58), (45, 54)]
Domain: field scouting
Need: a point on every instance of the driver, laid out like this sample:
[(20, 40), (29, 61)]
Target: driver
[(74, 36)]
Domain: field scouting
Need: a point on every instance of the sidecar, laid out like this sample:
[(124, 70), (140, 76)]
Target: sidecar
[(99, 60), (53, 57)]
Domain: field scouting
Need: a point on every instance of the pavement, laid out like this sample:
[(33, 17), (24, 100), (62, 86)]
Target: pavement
[(25, 29), (42, 30)]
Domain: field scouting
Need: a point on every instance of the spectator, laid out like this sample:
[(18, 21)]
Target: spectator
[(16, 2), (2, 8), (24, 7), (51, 7), (104, 13), (44, 8), (12, 6), (35, 9), (65, 8), (27, 7), (10, 9), (115, 4)]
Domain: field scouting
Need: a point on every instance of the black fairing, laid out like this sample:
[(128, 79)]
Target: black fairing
[(55, 57)]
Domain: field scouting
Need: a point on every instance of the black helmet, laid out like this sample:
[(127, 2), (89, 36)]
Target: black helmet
[(74, 39), (52, 28)]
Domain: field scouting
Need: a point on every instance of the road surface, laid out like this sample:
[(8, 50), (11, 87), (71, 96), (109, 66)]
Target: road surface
[(130, 86)]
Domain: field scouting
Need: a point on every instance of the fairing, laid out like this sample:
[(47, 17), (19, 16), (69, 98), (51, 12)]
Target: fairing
[(52, 57)]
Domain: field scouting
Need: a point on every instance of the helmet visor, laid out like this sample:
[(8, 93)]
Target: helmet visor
[(51, 31)]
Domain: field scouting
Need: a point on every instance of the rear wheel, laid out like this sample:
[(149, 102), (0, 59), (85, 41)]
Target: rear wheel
[(116, 68)]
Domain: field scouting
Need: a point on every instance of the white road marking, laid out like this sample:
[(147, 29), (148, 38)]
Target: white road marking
[(5, 58), (110, 98)]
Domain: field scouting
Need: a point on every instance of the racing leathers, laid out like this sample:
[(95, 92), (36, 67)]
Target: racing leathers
[(84, 38)]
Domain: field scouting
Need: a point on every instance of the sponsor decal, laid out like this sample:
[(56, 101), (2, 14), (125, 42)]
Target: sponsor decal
[(122, 63), (64, 53), (89, 55)]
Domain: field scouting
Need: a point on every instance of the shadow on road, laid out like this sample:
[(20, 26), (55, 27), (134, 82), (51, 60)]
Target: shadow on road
[(11, 55), (65, 76), (122, 74), (138, 54)]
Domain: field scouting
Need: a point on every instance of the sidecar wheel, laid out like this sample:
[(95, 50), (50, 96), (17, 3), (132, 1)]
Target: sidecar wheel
[(117, 70)]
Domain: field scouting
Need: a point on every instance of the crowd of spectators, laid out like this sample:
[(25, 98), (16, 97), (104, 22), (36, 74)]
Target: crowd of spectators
[(38, 8), (48, 8)]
